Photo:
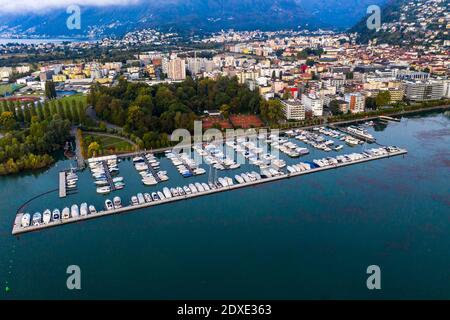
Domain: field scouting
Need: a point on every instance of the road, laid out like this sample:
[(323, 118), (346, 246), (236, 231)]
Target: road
[(90, 112)]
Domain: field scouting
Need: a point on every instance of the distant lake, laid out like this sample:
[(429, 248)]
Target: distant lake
[(39, 41)]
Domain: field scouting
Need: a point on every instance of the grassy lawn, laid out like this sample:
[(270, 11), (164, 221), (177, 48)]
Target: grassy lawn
[(109, 145), (76, 97)]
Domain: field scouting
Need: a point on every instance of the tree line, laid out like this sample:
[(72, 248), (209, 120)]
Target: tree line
[(23, 113), (30, 148)]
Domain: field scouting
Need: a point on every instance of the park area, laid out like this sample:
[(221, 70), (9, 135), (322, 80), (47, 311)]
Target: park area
[(96, 144)]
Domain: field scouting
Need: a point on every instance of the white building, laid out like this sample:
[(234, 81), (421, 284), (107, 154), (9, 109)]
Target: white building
[(293, 110), (313, 104), (176, 69), (424, 90), (356, 101)]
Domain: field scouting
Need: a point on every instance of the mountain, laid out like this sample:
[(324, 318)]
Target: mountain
[(191, 15), (408, 22)]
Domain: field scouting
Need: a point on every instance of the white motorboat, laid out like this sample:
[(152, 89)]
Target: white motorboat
[(148, 197), (37, 219), (92, 209), (187, 190), (199, 187), (117, 203), (167, 193), (74, 211), (47, 216), (66, 213), (103, 190), (161, 195), (25, 222), (193, 188), (109, 205), (141, 199), (239, 179), (56, 215), (84, 209), (206, 187)]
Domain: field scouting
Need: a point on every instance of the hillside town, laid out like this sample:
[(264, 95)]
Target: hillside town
[(313, 75)]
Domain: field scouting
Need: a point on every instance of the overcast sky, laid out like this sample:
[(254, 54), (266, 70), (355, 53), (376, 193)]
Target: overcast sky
[(18, 6)]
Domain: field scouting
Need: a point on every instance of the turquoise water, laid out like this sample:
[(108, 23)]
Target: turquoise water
[(309, 237)]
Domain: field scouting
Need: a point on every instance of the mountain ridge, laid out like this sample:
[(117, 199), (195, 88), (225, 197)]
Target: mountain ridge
[(193, 15)]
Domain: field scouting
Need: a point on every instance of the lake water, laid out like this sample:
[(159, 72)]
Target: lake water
[(309, 237)]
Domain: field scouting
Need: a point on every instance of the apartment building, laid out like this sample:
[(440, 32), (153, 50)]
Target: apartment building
[(293, 110)]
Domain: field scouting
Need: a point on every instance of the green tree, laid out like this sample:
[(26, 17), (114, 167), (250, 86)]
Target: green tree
[(225, 110), (94, 149), (50, 90), (383, 98), (7, 120)]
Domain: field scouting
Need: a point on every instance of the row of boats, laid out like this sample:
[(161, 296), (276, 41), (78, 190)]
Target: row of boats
[(185, 165), (289, 148), (214, 155), (256, 153), (193, 188), (71, 181), (317, 141), (105, 176), (340, 159), (148, 167), (56, 215), (48, 217)]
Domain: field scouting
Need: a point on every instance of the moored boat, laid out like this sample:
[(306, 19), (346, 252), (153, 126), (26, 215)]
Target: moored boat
[(46, 217), (37, 219), (25, 221), (56, 215)]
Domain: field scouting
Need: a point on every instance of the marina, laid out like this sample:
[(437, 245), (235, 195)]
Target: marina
[(22, 225), (329, 216)]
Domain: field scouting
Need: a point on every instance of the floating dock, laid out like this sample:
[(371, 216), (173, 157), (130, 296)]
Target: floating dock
[(62, 184), (18, 229), (108, 176), (150, 167), (386, 118)]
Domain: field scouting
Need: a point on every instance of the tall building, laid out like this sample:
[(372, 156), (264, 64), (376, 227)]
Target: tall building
[(313, 104), (424, 90), (293, 110), (356, 102), (176, 69)]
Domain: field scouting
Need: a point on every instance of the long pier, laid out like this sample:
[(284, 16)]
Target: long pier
[(150, 167), (108, 176), (18, 229), (62, 184)]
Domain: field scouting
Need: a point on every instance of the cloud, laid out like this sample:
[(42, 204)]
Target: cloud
[(24, 6)]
